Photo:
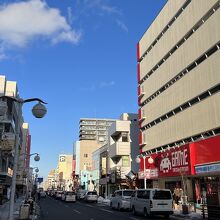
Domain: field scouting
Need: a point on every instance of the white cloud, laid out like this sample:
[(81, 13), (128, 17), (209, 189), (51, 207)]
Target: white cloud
[(122, 25), (110, 9), (22, 22), (106, 84), (100, 85)]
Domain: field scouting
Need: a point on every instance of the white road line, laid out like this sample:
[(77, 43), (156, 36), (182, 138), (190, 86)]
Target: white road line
[(76, 211), (67, 206), (133, 218), (105, 210), (89, 205)]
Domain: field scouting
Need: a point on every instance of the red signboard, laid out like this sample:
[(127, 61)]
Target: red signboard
[(174, 162)]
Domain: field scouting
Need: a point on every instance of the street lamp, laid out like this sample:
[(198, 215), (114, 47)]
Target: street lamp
[(150, 161), (39, 111)]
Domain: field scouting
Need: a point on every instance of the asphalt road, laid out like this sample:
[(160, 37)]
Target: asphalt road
[(57, 210)]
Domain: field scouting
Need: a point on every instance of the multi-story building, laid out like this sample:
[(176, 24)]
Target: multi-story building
[(65, 171), (8, 122), (117, 156), (94, 129), (23, 160), (51, 179), (83, 156), (178, 91)]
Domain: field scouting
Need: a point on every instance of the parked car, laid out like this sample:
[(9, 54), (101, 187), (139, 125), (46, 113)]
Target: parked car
[(42, 194), (81, 194), (91, 196), (121, 199), (58, 194), (69, 197), (152, 202)]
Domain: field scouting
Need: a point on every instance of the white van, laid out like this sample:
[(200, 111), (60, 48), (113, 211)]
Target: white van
[(121, 199), (152, 202)]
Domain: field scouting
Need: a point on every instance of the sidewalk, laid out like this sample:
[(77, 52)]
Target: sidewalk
[(4, 209)]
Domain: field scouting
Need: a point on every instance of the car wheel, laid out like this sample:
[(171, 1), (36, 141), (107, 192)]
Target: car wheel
[(133, 210), (111, 205), (167, 216), (119, 207), (145, 213)]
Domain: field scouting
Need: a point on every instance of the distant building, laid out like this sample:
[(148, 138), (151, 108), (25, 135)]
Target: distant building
[(94, 129), (65, 171)]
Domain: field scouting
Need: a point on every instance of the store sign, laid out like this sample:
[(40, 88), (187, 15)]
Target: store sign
[(208, 168), (174, 162), (149, 174)]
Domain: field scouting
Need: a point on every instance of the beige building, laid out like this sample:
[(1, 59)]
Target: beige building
[(87, 147), (178, 91), (64, 170), (178, 59)]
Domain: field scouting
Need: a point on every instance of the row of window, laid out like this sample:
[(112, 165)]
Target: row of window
[(196, 26), (190, 67), (201, 136), (165, 29), (184, 106)]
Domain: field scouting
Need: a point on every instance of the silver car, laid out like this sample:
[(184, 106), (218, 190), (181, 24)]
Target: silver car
[(121, 199), (91, 196)]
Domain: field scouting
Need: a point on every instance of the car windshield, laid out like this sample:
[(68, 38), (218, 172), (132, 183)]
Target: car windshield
[(92, 193), (161, 194), (127, 193)]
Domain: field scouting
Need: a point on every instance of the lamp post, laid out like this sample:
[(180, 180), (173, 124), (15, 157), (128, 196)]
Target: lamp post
[(150, 161), (39, 111)]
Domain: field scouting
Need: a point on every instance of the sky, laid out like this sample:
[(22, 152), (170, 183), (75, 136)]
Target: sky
[(79, 56)]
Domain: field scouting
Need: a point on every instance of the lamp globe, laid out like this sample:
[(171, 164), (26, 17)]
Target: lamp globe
[(39, 110), (37, 157)]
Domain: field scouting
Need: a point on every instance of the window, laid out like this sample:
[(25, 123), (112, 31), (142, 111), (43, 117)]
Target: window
[(140, 194), (125, 161), (124, 137), (161, 194), (146, 194), (85, 155)]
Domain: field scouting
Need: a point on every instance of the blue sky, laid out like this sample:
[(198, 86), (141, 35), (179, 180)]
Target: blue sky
[(77, 55)]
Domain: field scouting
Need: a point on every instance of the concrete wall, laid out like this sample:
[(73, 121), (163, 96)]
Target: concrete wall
[(202, 116)]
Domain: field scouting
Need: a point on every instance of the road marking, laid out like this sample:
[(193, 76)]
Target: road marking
[(105, 210), (133, 218), (76, 211), (89, 205), (67, 206)]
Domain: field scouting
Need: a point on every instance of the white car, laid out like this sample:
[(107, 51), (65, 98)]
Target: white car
[(152, 202), (58, 194), (69, 197), (121, 199), (91, 196)]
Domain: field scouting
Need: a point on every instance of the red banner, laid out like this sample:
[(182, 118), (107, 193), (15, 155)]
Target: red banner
[(174, 162)]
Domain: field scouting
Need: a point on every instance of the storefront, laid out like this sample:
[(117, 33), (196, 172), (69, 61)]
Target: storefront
[(207, 174), (193, 168)]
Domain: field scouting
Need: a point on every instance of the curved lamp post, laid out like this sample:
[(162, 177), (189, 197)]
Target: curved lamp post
[(39, 111), (150, 161)]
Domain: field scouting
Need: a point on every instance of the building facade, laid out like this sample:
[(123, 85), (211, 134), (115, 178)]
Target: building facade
[(8, 122), (179, 100), (64, 171), (94, 129), (117, 157)]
